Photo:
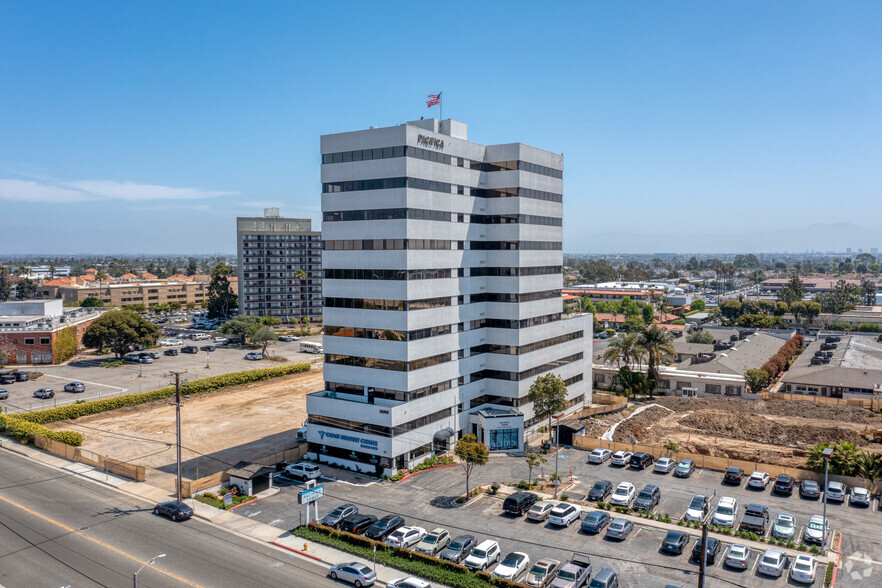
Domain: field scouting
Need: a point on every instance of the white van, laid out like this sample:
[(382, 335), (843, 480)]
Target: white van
[(310, 347)]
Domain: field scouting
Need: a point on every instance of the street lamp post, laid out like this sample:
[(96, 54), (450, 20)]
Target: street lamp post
[(827, 453), (556, 452), (149, 563)]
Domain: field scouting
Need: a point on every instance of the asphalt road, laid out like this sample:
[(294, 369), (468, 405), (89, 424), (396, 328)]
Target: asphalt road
[(104, 382), (426, 500), (60, 530)]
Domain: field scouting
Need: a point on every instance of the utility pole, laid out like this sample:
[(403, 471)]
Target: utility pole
[(703, 554), (178, 427)]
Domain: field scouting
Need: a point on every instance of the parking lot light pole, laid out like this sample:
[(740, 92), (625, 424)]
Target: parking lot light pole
[(827, 453), (149, 563), (556, 452)]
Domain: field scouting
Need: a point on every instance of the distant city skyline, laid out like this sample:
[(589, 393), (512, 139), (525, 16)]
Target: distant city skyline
[(684, 128)]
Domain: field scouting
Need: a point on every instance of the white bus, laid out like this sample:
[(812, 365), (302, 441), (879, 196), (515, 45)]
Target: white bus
[(310, 347)]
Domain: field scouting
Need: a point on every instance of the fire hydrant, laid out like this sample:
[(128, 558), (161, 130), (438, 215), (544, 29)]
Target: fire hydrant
[(304, 546)]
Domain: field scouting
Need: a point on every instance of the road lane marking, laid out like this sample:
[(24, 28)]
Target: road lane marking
[(84, 382), (97, 541)]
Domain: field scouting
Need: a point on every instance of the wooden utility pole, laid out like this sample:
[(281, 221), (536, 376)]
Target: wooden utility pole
[(703, 555), (178, 427)]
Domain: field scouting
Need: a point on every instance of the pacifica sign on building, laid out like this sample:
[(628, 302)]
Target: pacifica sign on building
[(432, 142)]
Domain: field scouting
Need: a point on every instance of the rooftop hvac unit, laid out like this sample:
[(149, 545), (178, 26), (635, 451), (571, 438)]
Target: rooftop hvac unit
[(828, 346), (733, 338), (832, 339)]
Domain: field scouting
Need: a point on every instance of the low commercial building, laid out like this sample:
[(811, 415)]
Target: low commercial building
[(128, 293), (28, 330), (838, 366)]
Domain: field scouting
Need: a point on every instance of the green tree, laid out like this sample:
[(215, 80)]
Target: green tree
[(647, 314), (756, 380), (868, 289), (192, 268), (161, 307), (534, 460), (703, 337), (624, 350), (698, 305), (471, 453), (7, 350), (300, 276), (174, 306), (264, 336), (191, 305), (5, 284), (632, 382), (869, 466), (797, 309), (92, 302), (549, 396), (65, 345), (118, 329), (812, 310), (101, 277), (25, 289), (244, 326), (730, 309), (633, 324), (659, 348), (629, 307), (221, 298)]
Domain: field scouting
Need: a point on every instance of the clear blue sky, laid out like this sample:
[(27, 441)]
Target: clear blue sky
[(149, 126)]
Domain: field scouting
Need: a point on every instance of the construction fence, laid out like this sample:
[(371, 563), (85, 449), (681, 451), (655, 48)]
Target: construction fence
[(90, 458), (719, 463), (868, 403), (190, 487), (609, 404)]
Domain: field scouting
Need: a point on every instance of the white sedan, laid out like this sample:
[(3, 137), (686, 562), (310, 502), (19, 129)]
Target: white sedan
[(758, 480), (512, 566), (599, 455), (408, 583), (804, 569), (621, 458), (406, 536)]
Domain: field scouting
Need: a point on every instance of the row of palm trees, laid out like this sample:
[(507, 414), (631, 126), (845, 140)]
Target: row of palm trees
[(847, 460), (652, 347)]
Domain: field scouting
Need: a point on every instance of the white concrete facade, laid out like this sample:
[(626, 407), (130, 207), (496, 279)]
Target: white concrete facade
[(442, 285)]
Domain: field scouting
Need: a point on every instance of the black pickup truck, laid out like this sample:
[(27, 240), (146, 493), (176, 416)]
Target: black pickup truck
[(756, 519)]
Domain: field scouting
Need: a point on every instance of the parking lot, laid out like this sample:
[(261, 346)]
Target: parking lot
[(426, 500), (102, 382)]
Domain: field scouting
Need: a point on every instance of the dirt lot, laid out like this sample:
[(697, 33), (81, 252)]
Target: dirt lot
[(777, 431), (218, 429)]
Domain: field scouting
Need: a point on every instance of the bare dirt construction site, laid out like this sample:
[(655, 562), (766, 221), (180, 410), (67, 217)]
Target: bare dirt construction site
[(774, 431), (218, 428)]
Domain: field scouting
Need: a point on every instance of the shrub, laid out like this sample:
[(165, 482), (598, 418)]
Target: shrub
[(111, 363), (200, 386), (523, 485), (564, 497), (25, 431), (216, 501), (828, 577)]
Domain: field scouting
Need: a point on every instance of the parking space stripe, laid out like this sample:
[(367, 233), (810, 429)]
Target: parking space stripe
[(84, 382)]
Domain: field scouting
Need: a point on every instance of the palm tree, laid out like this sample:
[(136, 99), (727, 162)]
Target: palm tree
[(101, 277), (870, 466), (659, 349), (624, 349), (300, 276)]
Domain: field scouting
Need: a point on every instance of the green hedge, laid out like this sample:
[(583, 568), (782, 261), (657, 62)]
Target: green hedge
[(24, 431), (200, 386), (411, 562)]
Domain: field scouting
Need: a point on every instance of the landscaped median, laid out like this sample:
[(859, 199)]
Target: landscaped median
[(23, 426), (410, 562)]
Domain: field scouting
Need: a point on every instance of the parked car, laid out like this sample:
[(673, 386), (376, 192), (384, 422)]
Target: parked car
[(75, 387), (288, 338), (663, 465), (253, 356), (353, 572), (815, 530), (512, 566), (382, 527), (408, 583), (573, 573), (21, 376), (675, 542), (599, 455), (519, 503), (435, 541), (604, 578), (623, 495), (713, 548), (208, 348), (726, 511), (698, 509), (619, 529), (836, 492), (459, 548), (336, 516), (772, 562), (406, 537), (809, 489), (784, 526), (7, 379), (356, 523), (176, 511), (4, 394), (540, 511), (758, 480), (783, 485), (756, 519), (684, 469), (600, 490), (733, 475), (859, 496), (595, 521), (621, 458), (44, 393), (220, 339), (482, 556), (804, 569), (648, 498), (738, 556), (171, 352), (542, 572), (189, 349), (303, 470), (564, 514)]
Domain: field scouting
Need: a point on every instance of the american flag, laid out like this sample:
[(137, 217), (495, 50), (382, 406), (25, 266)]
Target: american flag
[(433, 100)]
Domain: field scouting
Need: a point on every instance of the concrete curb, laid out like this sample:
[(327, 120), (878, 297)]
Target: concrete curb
[(244, 503), (297, 551), (412, 474), (836, 564)]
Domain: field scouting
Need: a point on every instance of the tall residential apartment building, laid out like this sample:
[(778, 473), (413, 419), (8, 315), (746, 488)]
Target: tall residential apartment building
[(442, 284), (271, 250)]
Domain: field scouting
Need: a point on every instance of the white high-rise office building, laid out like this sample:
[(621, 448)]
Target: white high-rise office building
[(442, 283)]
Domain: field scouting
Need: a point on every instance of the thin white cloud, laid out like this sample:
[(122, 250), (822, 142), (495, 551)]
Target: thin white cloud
[(260, 204), (49, 191), (201, 207)]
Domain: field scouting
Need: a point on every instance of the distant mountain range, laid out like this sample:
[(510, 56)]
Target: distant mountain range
[(684, 239)]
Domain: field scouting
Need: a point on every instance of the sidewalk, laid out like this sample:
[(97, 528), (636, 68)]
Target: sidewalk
[(228, 520)]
